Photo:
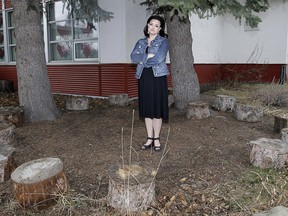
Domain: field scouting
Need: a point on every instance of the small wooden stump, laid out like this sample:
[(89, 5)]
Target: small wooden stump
[(198, 110), (269, 153), (7, 163), (131, 188), (224, 103), (248, 113), (118, 100), (284, 135), (7, 133), (38, 183), (77, 103), (280, 122), (275, 211), (171, 100), (6, 86), (13, 115)]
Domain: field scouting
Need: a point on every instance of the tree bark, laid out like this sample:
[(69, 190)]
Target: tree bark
[(184, 78), (33, 82)]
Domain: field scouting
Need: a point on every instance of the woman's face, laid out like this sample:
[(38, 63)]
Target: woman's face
[(154, 27)]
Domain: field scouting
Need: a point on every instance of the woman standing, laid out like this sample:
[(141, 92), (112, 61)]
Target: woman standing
[(150, 55)]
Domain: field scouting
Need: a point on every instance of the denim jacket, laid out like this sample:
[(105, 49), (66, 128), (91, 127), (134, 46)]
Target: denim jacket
[(159, 47)]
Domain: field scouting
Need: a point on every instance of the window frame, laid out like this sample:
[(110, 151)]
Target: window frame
[(74, 41)]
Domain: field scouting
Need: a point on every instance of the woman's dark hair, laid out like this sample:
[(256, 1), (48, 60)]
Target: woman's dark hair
[(162, 25)]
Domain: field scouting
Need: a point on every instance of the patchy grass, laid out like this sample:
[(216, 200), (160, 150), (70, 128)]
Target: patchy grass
[(272, 97), (259, 189)]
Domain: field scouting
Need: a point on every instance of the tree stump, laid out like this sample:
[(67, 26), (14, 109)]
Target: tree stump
[(131, 188), (248, 113), (38, 183), (7, 133), (6, 86), (118, 100), (171, 100), (280, 122), (198, 110), (269, 153), (77, 103), (224, 103), (284, 135), (7, 163), (13, 115), (275, 211)]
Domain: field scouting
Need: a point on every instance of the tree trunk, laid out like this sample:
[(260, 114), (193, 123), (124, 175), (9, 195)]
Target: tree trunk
[(184, 78), (33, 82)]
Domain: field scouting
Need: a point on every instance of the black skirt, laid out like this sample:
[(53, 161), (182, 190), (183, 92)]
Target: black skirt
[(153, 96)]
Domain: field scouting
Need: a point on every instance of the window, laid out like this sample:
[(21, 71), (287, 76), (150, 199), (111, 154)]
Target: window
[(11, 38), (7, 44), (2, 45), (69, 39)]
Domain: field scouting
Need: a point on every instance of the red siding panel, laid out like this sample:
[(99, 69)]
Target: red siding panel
[(75, 79), (132, 83), (257, 72), (208, 73), (112, 79), (9, 73), (8, 4), (106, 79)]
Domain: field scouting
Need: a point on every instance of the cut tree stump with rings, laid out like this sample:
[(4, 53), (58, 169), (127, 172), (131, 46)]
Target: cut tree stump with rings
[(77, 103), (39, 183), (12, 115), (7, 133), (224, 103), (280, 122), (131, 188), (7, 163), (269, 153), (198, 110), (248, 113), (284, 135)]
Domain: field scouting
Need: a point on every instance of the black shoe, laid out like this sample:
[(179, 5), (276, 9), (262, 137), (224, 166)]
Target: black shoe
[(157, 148), (145, 147)]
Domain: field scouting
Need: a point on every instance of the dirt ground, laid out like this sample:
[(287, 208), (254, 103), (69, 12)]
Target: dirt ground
[(200, 156)]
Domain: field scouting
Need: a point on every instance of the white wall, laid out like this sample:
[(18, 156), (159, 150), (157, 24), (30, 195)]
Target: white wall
[(233, 44), (219, 39), (136, 17), (118, 36), (112, 38), (207, 43)]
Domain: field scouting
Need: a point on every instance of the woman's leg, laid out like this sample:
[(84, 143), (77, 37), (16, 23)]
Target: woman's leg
[(149, 129), (157, 125)]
